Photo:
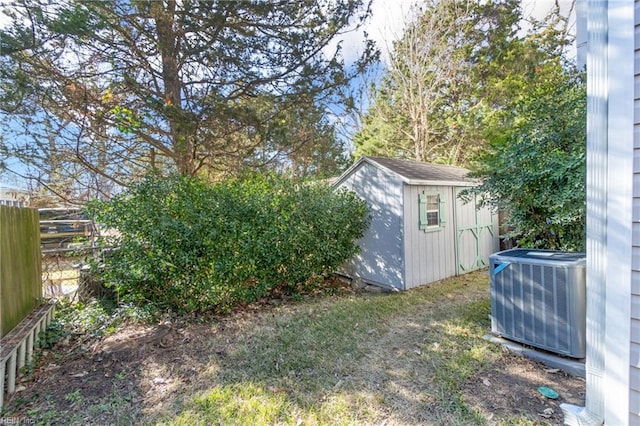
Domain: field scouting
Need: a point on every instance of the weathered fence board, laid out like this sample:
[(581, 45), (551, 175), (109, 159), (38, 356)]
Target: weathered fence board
[(20, 265)]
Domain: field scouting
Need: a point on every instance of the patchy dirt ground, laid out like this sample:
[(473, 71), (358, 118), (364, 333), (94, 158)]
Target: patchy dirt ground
[(513, 390), (134, 375)]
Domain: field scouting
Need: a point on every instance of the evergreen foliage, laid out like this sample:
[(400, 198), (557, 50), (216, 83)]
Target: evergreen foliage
[(444, 81), (97, 92), (185, 245), (452, 76), (464, 86), (535, 168)]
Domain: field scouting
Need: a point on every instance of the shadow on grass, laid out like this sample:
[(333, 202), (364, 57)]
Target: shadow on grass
[(360, 359), (350, 359)]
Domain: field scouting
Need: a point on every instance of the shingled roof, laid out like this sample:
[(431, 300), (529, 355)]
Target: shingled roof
[(418, 173)]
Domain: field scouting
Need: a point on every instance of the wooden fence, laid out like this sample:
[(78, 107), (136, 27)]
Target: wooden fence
[(23, 315), (20, 265)]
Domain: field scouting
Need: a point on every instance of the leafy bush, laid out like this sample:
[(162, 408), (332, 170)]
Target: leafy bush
[(186, 245), (93, 319), (535, 168)]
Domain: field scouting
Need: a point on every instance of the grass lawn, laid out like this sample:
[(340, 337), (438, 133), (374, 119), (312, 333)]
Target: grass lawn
[(350, 358)]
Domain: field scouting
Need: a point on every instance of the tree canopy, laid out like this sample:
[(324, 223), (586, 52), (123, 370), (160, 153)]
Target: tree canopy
[(95, 93), (535, 168), (451, 74), (466, 86), (534, 165)]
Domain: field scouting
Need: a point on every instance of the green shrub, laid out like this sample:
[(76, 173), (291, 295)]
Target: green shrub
[(186, 245), (534, 168)]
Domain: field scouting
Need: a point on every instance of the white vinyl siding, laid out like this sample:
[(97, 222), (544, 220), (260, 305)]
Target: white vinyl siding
[(613, 188), (634, 379)]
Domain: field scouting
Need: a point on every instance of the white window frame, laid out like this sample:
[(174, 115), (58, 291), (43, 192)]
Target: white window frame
[(425, 209)]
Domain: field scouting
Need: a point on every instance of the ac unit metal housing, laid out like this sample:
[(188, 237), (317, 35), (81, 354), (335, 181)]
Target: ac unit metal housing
[(538, 297)]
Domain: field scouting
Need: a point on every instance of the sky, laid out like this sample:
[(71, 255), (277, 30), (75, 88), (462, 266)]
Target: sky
[(388, 17)]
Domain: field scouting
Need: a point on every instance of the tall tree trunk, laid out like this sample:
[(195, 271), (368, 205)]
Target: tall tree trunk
[(169, 47)]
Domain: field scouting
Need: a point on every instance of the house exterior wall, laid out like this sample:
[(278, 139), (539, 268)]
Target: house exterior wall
[(14, 197), (634, 373), (613, 189), (613, 215), (381, 259), (429, 255)]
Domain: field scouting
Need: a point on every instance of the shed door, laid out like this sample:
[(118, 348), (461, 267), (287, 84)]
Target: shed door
[(474, 234)]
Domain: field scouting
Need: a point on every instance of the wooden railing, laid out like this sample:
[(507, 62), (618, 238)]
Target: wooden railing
[(16, 348)]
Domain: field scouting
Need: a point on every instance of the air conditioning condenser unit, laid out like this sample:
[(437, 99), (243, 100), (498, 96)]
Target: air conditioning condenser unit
[(538, 298)]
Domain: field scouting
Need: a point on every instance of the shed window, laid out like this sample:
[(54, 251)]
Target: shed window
[(430, 212)]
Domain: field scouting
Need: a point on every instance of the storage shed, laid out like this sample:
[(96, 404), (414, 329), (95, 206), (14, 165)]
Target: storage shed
[(420, 231)]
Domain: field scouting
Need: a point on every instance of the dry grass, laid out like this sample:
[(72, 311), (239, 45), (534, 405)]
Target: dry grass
[(353, 358), (356, 359)]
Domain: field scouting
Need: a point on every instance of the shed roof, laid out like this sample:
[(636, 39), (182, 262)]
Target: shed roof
[(416, 172)]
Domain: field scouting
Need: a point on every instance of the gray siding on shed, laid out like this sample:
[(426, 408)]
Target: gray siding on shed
[(395, 252), (429, 256), (634, 379), (381, 260)]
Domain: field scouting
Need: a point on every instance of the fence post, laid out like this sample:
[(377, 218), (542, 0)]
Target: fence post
[(11, 374), (21, 353)]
